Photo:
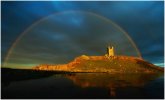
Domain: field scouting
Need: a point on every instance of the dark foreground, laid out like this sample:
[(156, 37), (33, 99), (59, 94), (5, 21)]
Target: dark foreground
[(30, 84)]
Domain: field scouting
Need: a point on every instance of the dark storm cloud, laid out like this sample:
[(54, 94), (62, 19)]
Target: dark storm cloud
[(143, 20), (144, 23)]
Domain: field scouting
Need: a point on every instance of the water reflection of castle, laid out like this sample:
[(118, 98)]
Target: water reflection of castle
[(111, 81)]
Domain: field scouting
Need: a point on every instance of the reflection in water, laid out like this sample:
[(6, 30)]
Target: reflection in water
[(111, 81), (27, 84)]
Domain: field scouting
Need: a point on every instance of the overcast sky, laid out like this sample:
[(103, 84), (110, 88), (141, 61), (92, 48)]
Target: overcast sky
[(142, 20)]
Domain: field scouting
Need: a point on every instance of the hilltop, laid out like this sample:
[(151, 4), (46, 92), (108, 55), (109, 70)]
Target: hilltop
[(112, 64)]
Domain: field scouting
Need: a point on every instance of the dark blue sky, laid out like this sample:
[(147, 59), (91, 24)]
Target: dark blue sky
[(142, 20)]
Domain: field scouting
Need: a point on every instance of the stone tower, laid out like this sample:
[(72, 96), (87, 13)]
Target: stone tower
[(110, 51)]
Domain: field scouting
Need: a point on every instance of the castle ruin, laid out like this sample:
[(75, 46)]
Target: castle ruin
[(110, 51)]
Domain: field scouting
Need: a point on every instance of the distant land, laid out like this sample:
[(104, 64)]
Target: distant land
[(109, 64)]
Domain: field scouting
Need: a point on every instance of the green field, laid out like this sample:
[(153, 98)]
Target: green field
[(114, 65)]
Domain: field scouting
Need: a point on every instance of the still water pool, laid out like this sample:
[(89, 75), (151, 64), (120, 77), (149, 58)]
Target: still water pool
[(85, 85)]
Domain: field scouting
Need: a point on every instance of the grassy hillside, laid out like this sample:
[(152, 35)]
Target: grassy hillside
[(120, 64), (116, 64)]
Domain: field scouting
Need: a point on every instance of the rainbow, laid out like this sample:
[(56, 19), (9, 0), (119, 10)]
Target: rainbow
[(42, 19)]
